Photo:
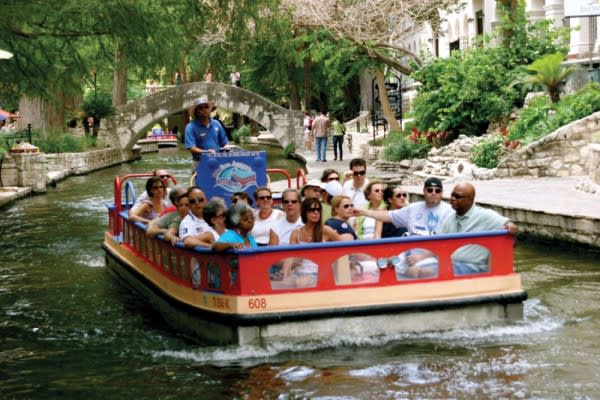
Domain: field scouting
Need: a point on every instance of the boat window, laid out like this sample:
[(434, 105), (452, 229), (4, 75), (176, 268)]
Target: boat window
[(195, 272), (355, 269), (293, 272), (470, 259), (417, 263)]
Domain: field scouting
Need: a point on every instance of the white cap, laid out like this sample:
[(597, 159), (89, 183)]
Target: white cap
[(334, 188)]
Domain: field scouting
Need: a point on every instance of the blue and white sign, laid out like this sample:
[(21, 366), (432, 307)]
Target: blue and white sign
[(582, 8)]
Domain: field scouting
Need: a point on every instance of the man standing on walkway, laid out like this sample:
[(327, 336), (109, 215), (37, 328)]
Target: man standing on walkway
[(467, 217), (320, 130), (204, 134)]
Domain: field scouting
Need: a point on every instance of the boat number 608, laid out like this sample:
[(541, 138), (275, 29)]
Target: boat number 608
[(257, 303)]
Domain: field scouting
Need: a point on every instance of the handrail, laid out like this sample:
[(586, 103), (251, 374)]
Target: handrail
[(282, 172), (300, 174)]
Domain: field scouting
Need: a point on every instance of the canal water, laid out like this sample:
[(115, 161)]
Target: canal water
[(69, 329)]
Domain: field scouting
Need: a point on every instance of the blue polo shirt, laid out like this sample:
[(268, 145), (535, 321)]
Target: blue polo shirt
[(205, 137)]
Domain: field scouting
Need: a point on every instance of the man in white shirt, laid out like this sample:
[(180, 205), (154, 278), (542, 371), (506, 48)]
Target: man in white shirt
[(194, 224), (282, 229), (354, 188)]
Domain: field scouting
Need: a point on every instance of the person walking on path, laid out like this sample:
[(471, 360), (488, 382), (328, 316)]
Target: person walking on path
[(308, 134), (338, 139), (320, 128)]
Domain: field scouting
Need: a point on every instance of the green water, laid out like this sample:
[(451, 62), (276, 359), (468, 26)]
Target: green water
[(70, 330)]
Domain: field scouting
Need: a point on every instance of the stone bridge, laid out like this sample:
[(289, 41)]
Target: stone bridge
[(132, 121)]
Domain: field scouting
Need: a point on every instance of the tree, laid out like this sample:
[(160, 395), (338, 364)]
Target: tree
[(549, 72)]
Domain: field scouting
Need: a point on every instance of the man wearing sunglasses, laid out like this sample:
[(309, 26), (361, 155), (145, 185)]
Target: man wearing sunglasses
[(203, 133), (193, 224), (282, 229), (423, 218), (468, 217), (355, 182)]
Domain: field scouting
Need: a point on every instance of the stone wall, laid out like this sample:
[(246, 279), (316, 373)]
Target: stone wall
[(565, 152), (37, 170)]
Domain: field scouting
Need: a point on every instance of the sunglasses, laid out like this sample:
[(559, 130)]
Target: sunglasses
[(348, 205), (333, 178), (359, 173), (458, 196), (436, 190), (265, 197), (157, 187), (401, 195), (314, 210), (377, 190), (290, 201), (203, 106), (220, 215), (164, 176), (197, 200)]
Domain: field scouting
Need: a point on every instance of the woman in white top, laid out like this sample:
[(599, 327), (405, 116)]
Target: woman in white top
[(365, 226), (265, 215)]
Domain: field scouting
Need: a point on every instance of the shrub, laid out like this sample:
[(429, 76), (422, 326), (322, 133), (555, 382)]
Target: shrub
[(240, 135), (59, 142), (399, 146), (488, 152)]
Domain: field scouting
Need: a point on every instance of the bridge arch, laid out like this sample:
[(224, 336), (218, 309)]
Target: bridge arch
[(132, 121)]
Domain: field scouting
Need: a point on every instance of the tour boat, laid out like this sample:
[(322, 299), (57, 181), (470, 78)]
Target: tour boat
[(337, 289), (160, 138)]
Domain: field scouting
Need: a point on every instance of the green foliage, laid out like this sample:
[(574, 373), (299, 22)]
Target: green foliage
[(60, 142), (542, 117), (463, 93), (548, 72), (399, 146), (240, 135), (98, 104), (488, 152)]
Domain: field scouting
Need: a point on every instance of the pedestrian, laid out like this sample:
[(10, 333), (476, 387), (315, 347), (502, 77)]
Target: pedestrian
[(235, 78), (320, 129), (339, 130), (308, 136)]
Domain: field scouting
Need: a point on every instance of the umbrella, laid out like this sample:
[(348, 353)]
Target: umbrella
[(5, 54)]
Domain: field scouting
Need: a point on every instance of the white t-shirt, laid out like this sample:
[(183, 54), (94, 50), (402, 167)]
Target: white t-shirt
[(144, 196), (283, 229), (192, 226), (262, 227), (356, 195), (420, 220)]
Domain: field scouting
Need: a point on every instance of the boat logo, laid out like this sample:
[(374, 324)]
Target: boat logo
[(234, 177)]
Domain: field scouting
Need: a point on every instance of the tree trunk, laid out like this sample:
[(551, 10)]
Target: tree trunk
[(294, 95), (390, 117), (307, 83), (119, 92), (44, 116)]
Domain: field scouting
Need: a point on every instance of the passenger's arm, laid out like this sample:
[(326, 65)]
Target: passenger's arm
[(135, 214), (378, 229), (154, 229), (380, 215), (222, 246), (511, 227), (330, 234), (294, 236), (273, 238), (193, 241), (171, 235)]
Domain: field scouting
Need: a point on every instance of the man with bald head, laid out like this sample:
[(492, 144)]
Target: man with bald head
[(468, 217)]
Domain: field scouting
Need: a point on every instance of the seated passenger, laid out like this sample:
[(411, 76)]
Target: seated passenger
[(468, 217), (215, 214), (313, 230), (164, 175), (282, 229), (342, 210), (265, 216), (168, 224), (395, 198), (194, 224), (240, 220), (365, 226), (241, 197), (151, 207)]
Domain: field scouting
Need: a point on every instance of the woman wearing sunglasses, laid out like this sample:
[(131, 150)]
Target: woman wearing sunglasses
[(313, 230), (395, 198), (366, 226), (150, 208), (265, 216), (342, 210)]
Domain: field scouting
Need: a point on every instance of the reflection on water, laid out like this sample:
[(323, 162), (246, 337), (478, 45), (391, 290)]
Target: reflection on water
[(69, 329)]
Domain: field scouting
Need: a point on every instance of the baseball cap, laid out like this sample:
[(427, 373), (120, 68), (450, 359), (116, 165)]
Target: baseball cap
[(433, 181)]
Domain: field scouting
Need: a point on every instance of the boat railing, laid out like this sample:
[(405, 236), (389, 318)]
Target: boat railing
[(331, 266)]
